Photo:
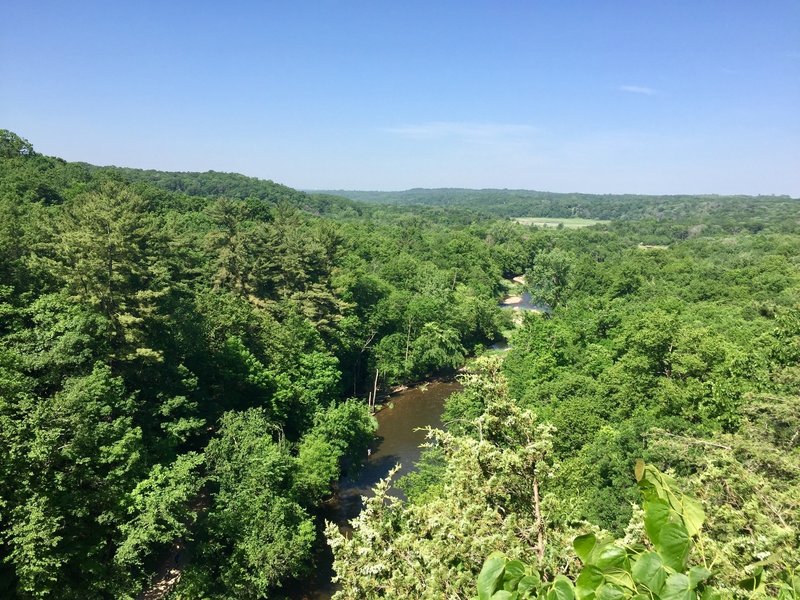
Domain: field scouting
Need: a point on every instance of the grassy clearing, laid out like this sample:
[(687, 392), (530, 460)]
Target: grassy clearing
[(567, 223)]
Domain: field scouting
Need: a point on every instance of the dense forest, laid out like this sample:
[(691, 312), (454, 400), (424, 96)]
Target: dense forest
[(686, 357), (185, 361), (746, 211)]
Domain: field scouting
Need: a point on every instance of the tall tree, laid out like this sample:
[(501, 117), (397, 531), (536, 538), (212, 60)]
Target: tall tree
[(107, 253)]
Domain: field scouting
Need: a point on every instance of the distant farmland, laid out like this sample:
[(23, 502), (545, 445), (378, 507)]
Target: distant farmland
[(547, 222)]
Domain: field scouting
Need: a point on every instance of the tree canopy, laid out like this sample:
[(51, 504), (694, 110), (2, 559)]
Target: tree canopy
[(186, 358)]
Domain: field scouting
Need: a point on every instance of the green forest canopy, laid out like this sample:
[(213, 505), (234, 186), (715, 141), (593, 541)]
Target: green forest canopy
[(184, 359), (627, 207)]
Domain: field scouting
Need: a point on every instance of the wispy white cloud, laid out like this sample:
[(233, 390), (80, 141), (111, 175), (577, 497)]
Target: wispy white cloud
[(462, 130), (638, 89)]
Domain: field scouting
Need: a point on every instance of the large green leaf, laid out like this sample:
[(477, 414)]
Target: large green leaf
[(648, 570), (609, 556), (677, 587), (653, 483), (609, 592), (673, 545), (789, 590), (588, 581), (490, 575), (656, 486), (620, 577), (692, 513), (514, 571), (698, 575), (584, 544), (561, 589), (656, 515), (505, 595), (515, 568), (529, 583)]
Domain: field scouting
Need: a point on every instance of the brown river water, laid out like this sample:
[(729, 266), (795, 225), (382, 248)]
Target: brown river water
[(395, 442)]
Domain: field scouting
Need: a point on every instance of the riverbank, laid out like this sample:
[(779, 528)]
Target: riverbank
[(397, 441), (400, 413)]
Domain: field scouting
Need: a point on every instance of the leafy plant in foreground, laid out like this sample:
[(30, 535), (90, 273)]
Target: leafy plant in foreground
[(612, 570)]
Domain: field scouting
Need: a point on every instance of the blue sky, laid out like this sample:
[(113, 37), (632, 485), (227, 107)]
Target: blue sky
[(642, 97)]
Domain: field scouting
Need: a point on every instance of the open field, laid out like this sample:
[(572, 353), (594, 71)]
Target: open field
[(548, 222)]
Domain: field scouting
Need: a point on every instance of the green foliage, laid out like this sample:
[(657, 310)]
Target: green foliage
[(748, 484), (434, 548), (317, 467), (436, 347), (160, 509), (106, 256), (81, 438), (425, 482), (13, 146), (610, 568), (258, 533), (741, 213), (550, 278), (175, 347), (348, 426)]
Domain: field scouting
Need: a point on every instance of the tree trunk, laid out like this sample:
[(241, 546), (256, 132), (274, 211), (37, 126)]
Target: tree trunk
[(375, 389), (539, 523), (408, 342)]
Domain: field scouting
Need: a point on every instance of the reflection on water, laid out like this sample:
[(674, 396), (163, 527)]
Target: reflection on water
[(528, 304), (396, 442)]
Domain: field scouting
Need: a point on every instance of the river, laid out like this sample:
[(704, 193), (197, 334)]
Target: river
[(396, 442), (525, 302)]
